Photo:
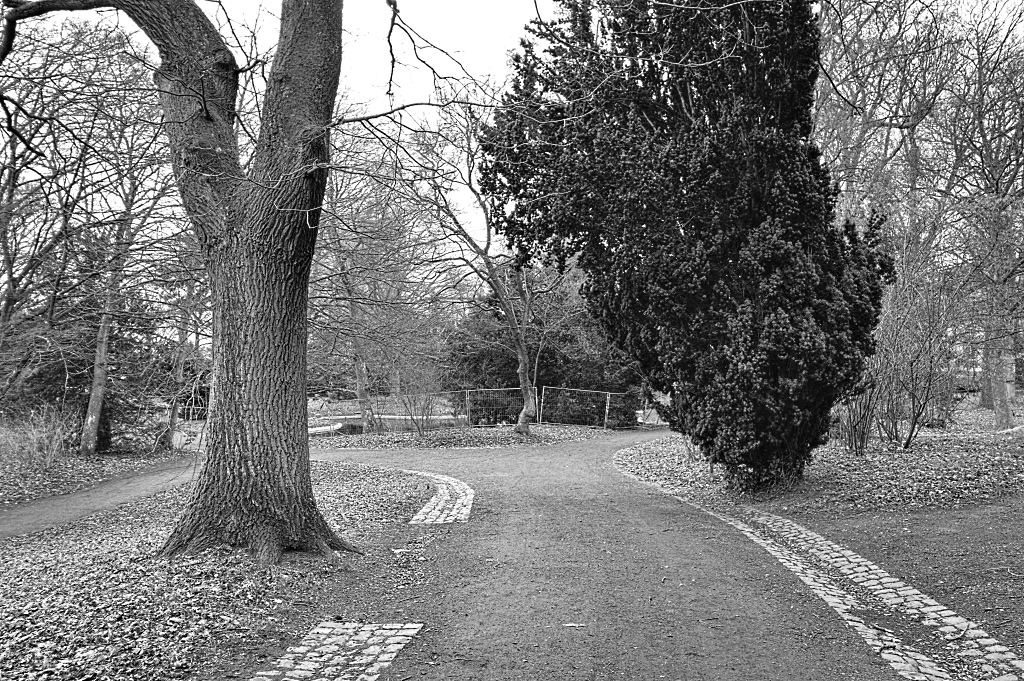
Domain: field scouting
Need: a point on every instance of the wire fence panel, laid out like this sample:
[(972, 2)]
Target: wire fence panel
[(592, 408), (423, 412), (495, 406)]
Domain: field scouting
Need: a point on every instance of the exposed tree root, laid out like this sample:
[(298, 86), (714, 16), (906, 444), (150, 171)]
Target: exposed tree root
[(266, 543)]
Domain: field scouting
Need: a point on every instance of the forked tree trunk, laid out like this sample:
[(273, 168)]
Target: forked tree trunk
[(256, 226), (529, 411)]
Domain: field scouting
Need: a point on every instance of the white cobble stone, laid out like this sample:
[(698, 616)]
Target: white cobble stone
[(958, 633), (904, 659), (342, 651), (451, 503)]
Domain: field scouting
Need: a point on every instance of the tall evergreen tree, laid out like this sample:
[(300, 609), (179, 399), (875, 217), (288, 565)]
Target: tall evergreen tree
[(669, 148)]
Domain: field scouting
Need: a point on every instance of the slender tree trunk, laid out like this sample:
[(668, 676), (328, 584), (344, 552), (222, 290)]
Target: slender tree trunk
[(529, 411), (986, 376), (999, 325), (179, 380), (91, 427), (361, 370), (363, 394)]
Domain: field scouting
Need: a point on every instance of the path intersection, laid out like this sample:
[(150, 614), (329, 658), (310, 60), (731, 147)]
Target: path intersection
[(550, 563), (569, 569)]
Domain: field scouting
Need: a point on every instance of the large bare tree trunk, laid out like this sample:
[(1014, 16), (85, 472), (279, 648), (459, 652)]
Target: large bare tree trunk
[(257, 230), (254, 490), (1001, 376)]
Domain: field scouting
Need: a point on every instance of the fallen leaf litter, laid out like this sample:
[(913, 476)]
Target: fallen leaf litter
[(90, 600)]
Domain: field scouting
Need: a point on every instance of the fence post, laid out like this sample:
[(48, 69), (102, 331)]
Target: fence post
[(469, 417), (540, 412), (607, 406)]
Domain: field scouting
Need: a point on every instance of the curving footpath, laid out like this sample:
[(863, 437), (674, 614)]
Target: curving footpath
[(549, 563), (568, 569)]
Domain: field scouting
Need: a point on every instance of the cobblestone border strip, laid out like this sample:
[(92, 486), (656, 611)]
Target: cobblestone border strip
[(341, 651), (906, 660), (961, 635), (452, 502)]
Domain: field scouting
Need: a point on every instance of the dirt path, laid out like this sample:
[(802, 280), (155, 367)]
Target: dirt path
[(569, 570), (59, 510)]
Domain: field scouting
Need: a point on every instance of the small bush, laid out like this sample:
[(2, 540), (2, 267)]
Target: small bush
[(37, 439)]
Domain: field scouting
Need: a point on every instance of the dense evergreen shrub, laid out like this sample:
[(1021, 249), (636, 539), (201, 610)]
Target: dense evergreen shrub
[(668, 149)]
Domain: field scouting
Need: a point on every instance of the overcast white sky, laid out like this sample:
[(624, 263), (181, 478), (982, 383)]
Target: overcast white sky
[(478, 33)]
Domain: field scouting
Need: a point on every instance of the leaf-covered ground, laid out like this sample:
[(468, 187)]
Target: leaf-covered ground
[(944, 469), (946, 516), (90, 600), (453, 438), (20, 483)]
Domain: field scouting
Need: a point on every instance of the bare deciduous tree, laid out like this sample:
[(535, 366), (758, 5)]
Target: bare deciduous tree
[(257, 228)]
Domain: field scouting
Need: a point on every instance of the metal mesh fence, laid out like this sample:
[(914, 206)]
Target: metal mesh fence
[(427, 411), (570, 406)]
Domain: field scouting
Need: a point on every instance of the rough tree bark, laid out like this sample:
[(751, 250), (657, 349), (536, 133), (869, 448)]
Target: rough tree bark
[(257, 230), (529, 410), (1000, 344), (87, 445)]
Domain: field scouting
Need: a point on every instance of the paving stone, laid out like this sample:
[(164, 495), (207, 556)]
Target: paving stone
[(959, 633), (817, 548), (451, 503), (363, 651)]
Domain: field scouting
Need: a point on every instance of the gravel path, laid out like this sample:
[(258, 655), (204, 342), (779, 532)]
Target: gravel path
[(569, 570), (564, 569), (40, 514)]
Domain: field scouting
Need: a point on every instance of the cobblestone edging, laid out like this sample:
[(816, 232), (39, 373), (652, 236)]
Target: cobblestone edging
[(960, 635), (452, 502), (341, 651), (804, 552), (906, 660)]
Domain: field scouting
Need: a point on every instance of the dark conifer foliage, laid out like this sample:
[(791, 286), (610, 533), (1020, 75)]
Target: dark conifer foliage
[(668, 148)]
